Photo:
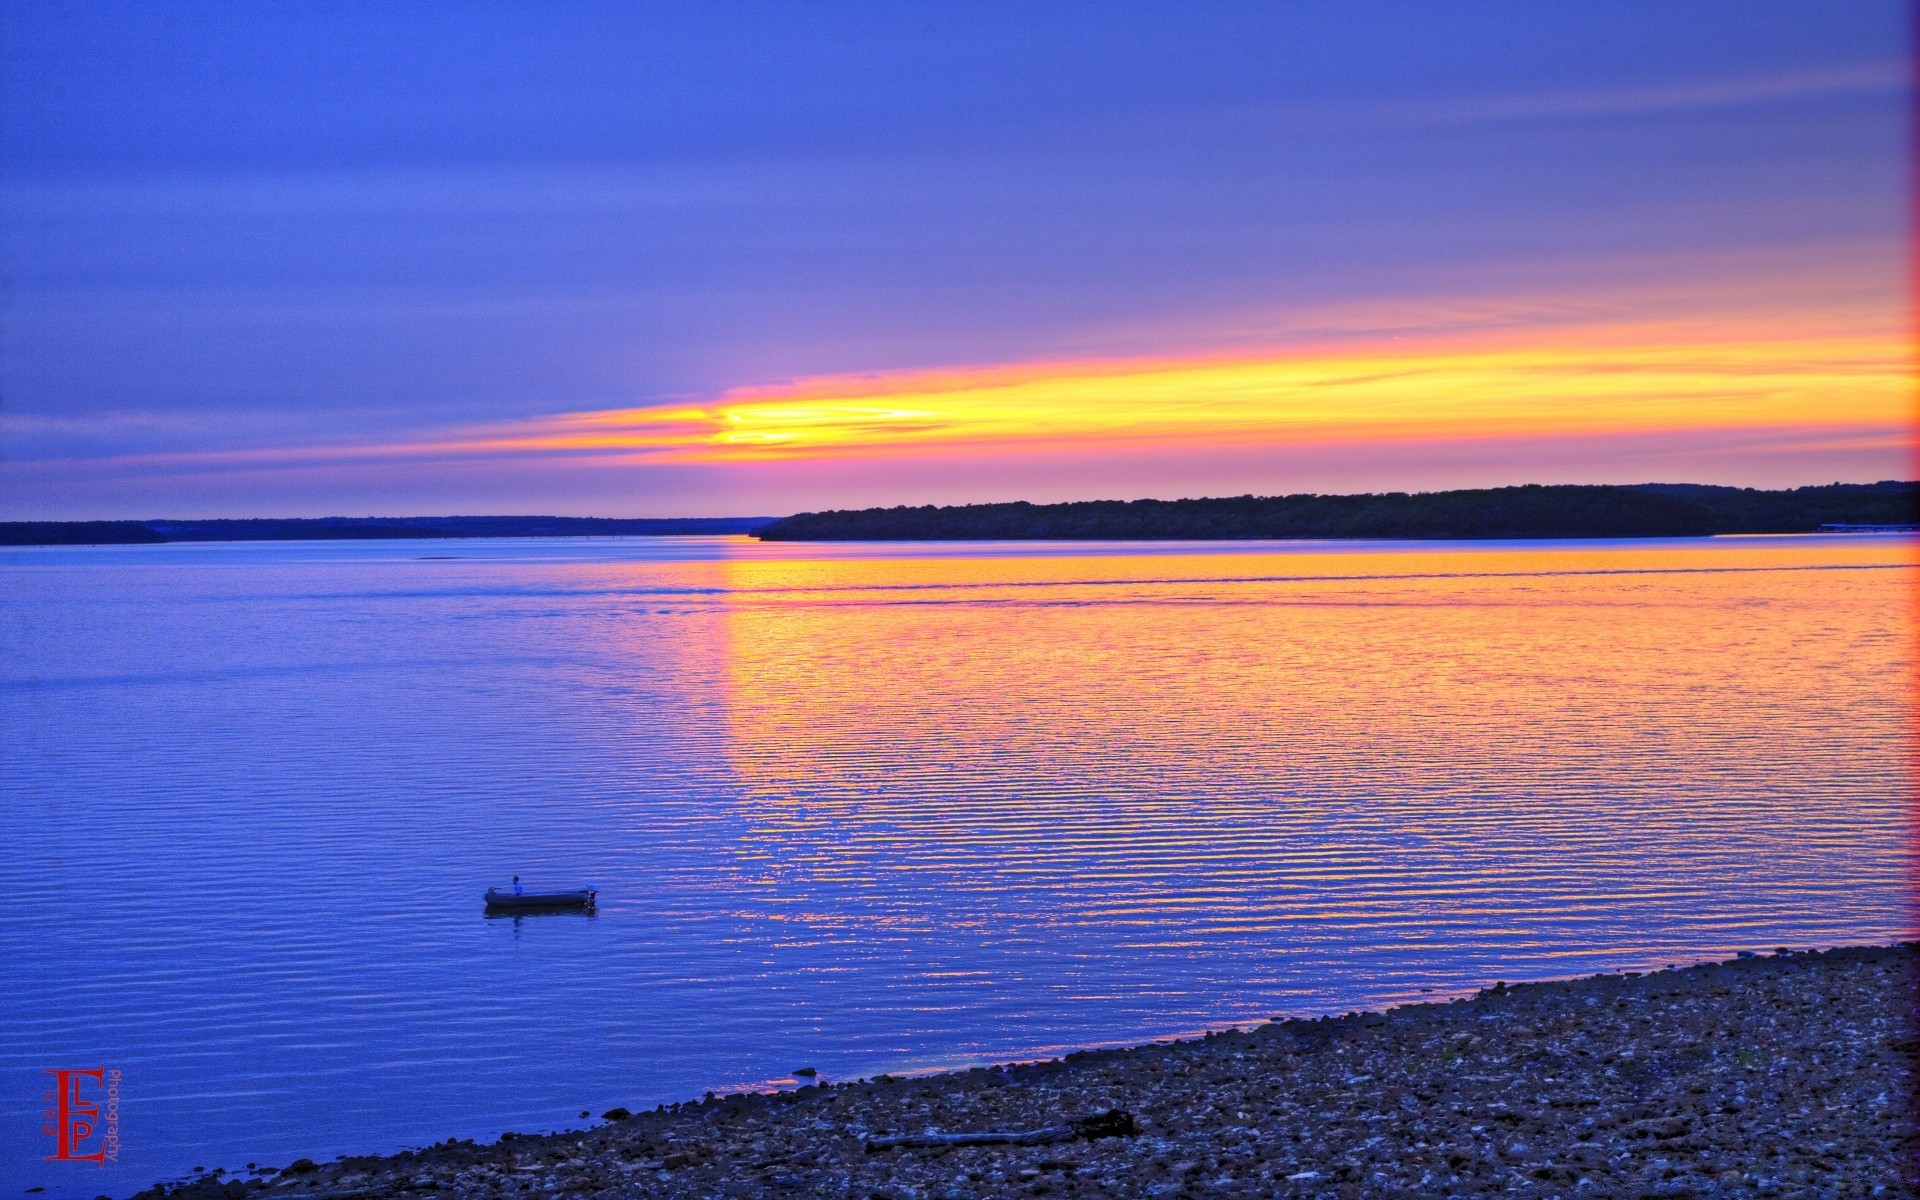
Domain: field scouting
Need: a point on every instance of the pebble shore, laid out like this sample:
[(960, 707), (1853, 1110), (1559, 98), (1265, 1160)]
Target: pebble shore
[(1784, 1074)]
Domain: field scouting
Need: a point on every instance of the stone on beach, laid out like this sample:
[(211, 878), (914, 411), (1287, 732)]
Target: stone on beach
[(1784, 1075)]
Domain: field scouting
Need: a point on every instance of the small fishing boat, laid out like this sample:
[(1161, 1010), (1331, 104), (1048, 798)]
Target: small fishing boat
[(524, 902)]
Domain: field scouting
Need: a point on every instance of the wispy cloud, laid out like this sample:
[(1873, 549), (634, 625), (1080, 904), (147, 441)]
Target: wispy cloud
[(1731, 92)]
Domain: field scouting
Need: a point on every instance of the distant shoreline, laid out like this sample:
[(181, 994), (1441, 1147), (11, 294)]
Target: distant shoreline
[(1533, 511), (331, 529), (1762, 1073)]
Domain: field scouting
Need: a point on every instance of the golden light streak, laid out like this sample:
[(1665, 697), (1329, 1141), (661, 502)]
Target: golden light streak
[(1781, 377), (1528, 391)]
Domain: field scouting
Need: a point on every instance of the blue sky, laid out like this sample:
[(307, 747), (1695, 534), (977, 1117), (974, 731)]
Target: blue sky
[(236, 232)]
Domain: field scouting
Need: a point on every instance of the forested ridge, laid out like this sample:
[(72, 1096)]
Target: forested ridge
[(1531, 511)]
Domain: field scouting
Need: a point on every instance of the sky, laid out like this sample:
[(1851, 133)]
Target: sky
[(627, 259)]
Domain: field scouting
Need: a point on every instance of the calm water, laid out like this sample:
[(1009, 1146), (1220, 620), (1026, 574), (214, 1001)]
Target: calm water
[(881, 808)]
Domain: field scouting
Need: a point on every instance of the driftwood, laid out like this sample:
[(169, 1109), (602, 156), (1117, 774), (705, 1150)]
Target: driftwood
[(1112, 1123)]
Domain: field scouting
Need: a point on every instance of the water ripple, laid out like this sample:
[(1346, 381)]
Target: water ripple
[(883, 808)]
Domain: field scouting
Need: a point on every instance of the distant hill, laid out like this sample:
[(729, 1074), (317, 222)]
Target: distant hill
[(301, 529), (1533, 511), (1798, 510)]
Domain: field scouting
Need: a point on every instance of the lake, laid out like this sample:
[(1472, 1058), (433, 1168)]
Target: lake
[(882, 808)]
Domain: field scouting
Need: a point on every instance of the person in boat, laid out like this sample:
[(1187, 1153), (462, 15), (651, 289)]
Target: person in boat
[(516, 885)]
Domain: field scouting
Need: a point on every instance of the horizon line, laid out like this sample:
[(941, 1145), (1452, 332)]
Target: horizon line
[(883, 507)]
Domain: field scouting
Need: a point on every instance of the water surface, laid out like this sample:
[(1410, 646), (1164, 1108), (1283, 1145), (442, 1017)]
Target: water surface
[(881, 808)]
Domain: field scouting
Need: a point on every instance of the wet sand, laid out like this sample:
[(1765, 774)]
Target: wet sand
[(1788, 1074)]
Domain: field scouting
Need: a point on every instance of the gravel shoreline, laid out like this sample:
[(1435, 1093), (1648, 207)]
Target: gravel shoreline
[(1790, 1074)]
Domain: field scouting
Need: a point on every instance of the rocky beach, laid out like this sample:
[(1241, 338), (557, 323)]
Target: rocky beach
[(1779, 1074)]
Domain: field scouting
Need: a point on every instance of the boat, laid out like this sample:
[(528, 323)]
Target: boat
[(580, 900)]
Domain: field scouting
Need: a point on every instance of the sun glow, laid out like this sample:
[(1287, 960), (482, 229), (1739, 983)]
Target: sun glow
[(1592, 387), (778, 423), (1810, 384)]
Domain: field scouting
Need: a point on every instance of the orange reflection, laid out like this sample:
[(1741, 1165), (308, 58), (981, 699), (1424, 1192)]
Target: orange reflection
[(1219, 743)]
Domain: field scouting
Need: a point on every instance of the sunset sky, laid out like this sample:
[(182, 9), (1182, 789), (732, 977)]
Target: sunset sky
[(659, 260)]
